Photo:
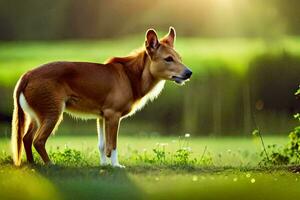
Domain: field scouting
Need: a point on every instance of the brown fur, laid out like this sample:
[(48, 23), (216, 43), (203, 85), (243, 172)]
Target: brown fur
[(110, 91)]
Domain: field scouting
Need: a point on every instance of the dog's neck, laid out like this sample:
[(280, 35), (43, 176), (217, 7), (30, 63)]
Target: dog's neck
[(137, 68)]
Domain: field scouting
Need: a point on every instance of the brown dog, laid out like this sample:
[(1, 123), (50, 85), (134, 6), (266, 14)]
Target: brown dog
[(106, 92)]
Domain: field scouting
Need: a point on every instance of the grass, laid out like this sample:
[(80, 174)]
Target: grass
[(157, 167), (233, 171)]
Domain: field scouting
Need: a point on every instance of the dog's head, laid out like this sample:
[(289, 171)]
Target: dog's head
[(165, 63)]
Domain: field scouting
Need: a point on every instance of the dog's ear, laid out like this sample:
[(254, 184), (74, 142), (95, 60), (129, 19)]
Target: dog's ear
[(151, 42), (169, 39)]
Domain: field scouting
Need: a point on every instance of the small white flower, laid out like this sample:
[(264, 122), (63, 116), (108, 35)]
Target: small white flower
[(187, 135), (164, 144), (252, 180), (248, 175), (187, 148)]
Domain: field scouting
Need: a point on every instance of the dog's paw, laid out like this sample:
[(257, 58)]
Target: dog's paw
[(103, 163), (118, 166), (49, 163)]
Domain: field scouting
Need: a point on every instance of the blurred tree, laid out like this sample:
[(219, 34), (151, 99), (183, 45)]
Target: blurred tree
[(58, 19)]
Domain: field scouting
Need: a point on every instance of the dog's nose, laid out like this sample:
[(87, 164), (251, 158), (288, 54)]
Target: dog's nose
[(187, 73)]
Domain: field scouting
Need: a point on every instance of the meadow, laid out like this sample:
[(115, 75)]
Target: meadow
[(224, 168), (202, 165)]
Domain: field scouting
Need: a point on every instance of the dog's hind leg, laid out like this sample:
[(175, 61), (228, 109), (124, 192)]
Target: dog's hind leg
[(101, 141), (28, 139), (44, 131)]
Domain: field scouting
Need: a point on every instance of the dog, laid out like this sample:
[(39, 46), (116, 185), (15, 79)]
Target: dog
[(106, 92)]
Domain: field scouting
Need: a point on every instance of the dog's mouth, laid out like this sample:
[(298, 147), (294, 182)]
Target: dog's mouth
[(179, 80)]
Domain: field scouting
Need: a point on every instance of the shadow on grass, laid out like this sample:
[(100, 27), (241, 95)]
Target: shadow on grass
[(138, 181), (90, 182), (64, 182)]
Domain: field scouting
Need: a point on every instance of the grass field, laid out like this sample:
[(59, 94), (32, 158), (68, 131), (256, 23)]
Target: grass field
[(226, 168), (157, 167)]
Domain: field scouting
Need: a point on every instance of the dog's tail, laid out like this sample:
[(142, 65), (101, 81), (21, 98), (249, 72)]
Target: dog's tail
[(18, 122)]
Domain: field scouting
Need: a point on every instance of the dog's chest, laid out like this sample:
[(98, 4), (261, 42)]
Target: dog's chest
[(140, 103)]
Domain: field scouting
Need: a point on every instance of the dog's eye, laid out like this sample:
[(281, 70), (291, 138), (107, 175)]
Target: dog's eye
[(169, 59)]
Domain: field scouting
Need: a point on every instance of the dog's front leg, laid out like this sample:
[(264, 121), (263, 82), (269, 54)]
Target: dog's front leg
[(112, 122), (101, 142)]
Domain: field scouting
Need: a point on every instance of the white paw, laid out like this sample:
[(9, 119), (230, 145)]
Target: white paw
[(117, 165), (103, 163)]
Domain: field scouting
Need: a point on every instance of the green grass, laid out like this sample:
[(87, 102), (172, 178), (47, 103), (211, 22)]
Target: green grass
[(228, 151), (217, 168), (200, 54), (233, 172)]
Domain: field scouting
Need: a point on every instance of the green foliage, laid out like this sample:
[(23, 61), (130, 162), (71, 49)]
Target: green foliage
[(5, 158), (276, 156), (297, 93), (290, 153), (255, 132), (160, 154), (179, 157), (182, 156), (68, 156)]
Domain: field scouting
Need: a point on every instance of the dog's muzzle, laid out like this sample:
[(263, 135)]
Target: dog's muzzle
[(186, 75)]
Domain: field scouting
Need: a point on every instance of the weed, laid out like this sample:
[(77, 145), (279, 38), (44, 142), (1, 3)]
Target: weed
[(5, 158), (182, 156), (297, 92), (290, 153), (160, 153), (68, 157)]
